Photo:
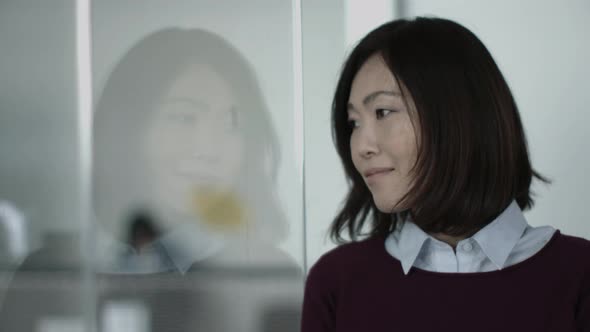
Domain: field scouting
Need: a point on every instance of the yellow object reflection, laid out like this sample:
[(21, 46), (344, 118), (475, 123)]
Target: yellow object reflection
[(219, 209)]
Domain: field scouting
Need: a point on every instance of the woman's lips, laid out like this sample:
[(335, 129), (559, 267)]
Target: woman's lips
[(377, 171), (375, 176)]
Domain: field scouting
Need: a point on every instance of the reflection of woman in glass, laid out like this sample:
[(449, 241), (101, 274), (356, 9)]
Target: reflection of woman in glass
[(183, 142), (181, 131)]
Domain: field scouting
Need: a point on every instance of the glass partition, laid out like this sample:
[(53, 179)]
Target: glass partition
[(196, 189)]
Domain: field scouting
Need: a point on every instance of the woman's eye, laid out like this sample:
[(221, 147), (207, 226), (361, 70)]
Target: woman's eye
[(381, 112), (352, 124), (183, 118), (232, 119)]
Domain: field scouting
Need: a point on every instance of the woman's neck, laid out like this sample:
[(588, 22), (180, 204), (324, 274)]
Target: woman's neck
[(451, 240)]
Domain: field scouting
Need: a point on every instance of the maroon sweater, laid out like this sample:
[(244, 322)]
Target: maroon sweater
[(360, 287)]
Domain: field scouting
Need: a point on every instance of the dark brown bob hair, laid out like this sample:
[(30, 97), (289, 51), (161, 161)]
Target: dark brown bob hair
[(472, 157)]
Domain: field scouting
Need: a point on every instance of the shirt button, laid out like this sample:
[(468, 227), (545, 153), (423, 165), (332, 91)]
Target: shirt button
[(467, 247)]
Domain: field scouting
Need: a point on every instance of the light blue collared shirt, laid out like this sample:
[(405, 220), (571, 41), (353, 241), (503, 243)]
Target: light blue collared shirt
[(506, 241), (176, 250)]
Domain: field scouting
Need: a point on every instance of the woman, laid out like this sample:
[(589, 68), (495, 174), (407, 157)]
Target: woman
[(183, 135), (433, 146)]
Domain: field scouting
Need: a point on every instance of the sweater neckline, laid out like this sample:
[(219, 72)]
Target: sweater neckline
[(533, 258)]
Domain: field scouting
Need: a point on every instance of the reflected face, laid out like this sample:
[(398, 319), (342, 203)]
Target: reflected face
[(193, 140), (383, 142)]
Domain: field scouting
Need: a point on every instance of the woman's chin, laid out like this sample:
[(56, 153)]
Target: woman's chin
[(388, 206)]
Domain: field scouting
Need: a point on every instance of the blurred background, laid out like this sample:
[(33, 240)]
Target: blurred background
[(197, 190)]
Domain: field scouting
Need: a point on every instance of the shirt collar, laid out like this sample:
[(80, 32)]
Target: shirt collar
[(182, 246), (189, 243), (406, 242), (497, 239)]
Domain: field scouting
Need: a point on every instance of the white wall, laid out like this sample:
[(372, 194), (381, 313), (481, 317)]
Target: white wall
[(323, 52)]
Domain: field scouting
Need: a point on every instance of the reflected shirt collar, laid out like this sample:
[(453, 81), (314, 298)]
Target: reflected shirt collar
[(179, 249), (497, 239), (190, 243)]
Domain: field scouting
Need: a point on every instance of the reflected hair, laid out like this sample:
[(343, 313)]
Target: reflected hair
[(472, 159), (135, 85)]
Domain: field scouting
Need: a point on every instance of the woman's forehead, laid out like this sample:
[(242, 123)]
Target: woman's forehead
[(203, 85), (374, 75)]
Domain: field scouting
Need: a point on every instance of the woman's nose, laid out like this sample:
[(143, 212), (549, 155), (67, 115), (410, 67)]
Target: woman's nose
[(202, 142), (367, 142)]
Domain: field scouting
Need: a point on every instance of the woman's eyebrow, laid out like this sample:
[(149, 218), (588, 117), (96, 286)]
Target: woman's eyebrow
[(373, 95), (197, 104)]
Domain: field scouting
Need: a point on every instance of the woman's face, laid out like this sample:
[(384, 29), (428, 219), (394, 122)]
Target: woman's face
[(383, 142), (193, 142)]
